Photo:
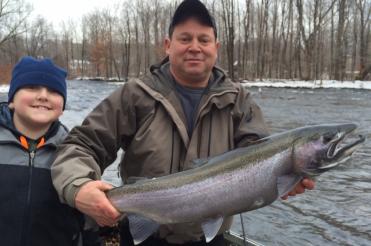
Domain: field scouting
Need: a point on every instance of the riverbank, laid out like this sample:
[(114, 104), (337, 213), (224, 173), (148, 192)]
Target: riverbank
[(312, 84)]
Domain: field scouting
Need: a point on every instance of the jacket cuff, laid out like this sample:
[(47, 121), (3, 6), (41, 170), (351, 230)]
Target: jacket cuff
[(72, 189)]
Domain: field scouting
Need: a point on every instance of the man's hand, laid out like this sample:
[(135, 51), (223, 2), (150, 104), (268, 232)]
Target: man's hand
[(300, 188), (92, 200)]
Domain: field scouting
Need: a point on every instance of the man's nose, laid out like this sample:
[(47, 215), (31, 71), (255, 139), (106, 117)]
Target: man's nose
[(194, 46)]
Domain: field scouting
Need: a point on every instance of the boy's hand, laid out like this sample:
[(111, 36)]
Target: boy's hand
[(300, 188), (92, 200)]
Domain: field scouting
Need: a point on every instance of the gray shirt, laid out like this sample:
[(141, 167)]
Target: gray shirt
[(190, 99)]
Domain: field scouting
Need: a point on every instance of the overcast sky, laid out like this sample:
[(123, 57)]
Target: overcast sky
[(63, 10)]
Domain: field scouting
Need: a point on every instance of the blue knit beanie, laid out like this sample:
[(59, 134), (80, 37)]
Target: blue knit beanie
[(30, 71)]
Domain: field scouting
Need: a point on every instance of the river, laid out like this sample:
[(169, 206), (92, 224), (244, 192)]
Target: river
[(337, 212)]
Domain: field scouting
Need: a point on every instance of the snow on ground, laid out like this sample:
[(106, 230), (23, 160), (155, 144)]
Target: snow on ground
[(310, 84), (4, 88)]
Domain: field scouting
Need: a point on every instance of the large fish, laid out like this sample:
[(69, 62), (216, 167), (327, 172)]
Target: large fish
[(237, 181)]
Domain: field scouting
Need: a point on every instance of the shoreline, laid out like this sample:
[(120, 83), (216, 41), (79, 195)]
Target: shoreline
[(312, 84)]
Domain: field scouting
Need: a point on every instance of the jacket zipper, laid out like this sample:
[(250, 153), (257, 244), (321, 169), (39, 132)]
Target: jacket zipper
[(172, 149), (31, 164), (26, 225), (199, 115), (210, 131)]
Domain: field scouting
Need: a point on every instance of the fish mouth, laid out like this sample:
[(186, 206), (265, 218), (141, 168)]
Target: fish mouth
[(337, 153), (332, 150)]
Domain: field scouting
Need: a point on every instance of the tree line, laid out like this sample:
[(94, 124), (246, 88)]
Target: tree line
[(260, 39)]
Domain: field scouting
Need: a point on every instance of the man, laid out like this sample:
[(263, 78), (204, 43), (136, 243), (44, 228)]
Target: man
[(186, 109)]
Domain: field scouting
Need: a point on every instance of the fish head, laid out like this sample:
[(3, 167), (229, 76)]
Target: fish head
[(322, 148)]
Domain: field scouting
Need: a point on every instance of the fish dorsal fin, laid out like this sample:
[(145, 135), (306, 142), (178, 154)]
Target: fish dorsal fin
[(199, 162), (141, 228), (211, 227), (286, 183)]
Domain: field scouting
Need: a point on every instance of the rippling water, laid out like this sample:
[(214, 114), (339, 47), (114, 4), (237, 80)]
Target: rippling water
[(337, 212)]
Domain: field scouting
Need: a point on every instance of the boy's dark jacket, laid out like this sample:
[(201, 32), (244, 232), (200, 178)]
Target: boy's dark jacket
[(30, 211)]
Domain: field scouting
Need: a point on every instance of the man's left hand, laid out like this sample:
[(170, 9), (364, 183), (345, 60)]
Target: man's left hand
[(304, 184)]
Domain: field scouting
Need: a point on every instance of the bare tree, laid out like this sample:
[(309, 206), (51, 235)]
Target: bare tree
[(284, 35), (125, 41), (307, 39), (13, 14), (262, 38), (272, 63), (108, 34), (138, 49), (228, 16), (145, 16), (339, 59), (68, 34), (84, 44), (96, 43), (37, 36), (364, 8), (247, 23), (355, 36), (157, 12)]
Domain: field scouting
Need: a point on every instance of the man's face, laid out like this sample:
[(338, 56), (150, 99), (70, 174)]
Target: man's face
[(36, 107), (192, 52)]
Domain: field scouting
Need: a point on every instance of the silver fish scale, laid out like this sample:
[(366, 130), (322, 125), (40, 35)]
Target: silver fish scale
[(250, 186)]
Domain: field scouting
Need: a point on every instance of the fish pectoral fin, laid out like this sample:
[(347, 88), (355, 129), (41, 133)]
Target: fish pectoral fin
[(141, 228), (286, 183), (211, 227)]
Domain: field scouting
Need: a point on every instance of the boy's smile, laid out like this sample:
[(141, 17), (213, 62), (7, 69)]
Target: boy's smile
[(41, 107), (36, 108)]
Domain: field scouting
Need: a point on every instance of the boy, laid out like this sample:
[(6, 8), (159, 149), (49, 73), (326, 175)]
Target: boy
[(30, 211)]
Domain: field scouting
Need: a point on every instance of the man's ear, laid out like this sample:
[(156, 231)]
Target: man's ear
[(167, 42), (11, 105)]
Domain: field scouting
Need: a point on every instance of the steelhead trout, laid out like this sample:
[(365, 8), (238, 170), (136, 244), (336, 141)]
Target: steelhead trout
[(237, 181)]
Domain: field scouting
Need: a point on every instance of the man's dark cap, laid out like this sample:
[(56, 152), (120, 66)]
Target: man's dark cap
[(192, 9)]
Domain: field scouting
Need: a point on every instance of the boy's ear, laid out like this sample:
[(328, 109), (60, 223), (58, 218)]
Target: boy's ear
[(11, 105)]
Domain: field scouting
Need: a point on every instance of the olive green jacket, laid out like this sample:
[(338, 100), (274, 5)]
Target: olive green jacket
[(145, 118)]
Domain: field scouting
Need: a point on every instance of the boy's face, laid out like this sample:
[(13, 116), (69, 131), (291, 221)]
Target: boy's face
[(36, 107)]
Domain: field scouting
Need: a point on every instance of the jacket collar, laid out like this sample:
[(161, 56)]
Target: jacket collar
[(221, 93), (6, 117), (161, 81)]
